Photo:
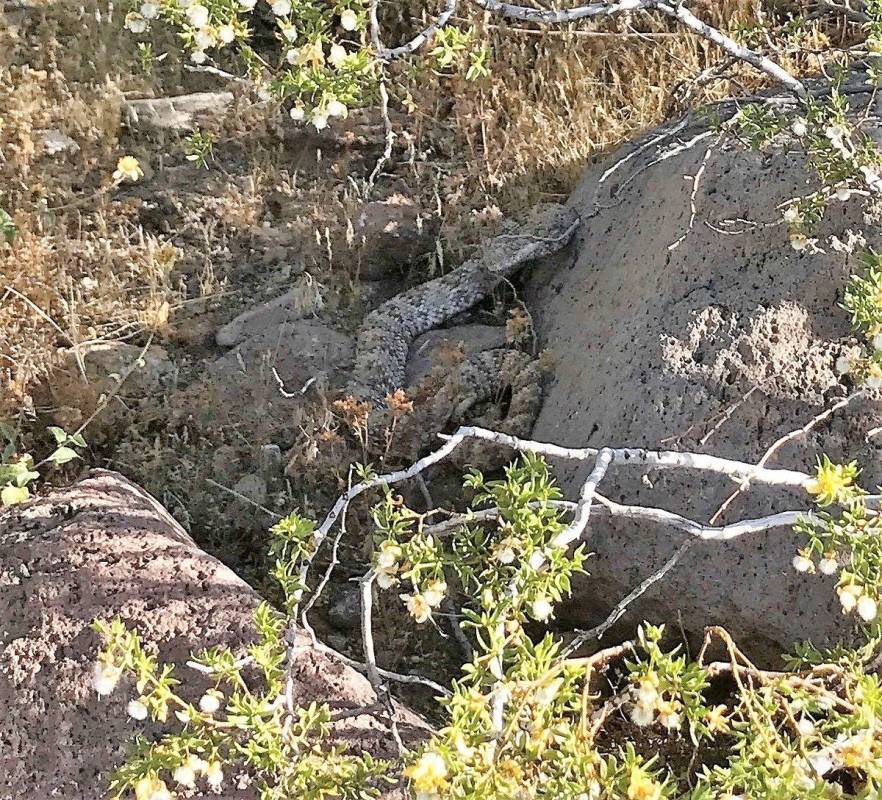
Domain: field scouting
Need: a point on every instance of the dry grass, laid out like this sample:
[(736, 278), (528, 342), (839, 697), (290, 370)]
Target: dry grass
[(554, 98), (557, 97)]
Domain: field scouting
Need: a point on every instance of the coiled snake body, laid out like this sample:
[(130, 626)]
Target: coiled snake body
[(387, 333)]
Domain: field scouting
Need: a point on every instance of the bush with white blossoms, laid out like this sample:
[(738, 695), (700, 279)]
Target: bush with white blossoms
[(321, 64), (529, 716), (845, 159)]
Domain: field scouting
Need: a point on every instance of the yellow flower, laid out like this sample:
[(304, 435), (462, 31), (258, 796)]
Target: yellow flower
[(151, 787), (857, 752), (311, 53), (428, 774), (832, 482), (642, 787), (511, 770), (128, 168), (716, 719)]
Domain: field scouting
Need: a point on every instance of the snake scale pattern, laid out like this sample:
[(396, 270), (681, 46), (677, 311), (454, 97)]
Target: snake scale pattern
[(387, 333)]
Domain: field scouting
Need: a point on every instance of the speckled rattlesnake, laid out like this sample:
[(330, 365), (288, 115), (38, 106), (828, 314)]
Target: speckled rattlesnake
[(387, 332)]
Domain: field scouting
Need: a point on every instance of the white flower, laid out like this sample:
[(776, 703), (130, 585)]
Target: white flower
[(799, 241), (843, 365), (288, 31), (336, 109), (135, 22), (828, 566), (185, 776), (435, 593), (801, 563), (871, 177), (292, 55), (105, 677), (877, 341), (642, 715), (799, 127), (806, 726), (537, 559), (866, 608), (821, 763), (843, 193), (838, 134), (214, 774), (320, 120), (389, 553), (791, 214), (226, 34), (848, 597), (196, 764), (546, 694), (384, 579), (349, 20), (204, 39), (337, 55), (417, 607), (149, 10), (670, 720), (198, 57), (646, 693), (183, 717), (209, 702), (297, 113), (541, 609), (185, 4), (198, 15), (505, 555), (247, 5), (281, 8), (136, 710), (873, 382)]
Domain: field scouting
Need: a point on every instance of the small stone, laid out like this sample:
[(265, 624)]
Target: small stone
[(253, 487), (271, 462), (56, 142), (344, 609)]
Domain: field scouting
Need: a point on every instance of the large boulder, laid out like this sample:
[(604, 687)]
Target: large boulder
[(103, 548), (662, 332)]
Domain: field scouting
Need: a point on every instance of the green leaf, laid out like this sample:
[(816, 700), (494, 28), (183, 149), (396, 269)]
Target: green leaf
[(18, 473), (78, 440), (7, 227), (10, 495), (58, 433), (63, 454)]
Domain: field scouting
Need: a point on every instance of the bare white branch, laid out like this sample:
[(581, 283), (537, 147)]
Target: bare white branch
[(679, 12), (675, 10), (606, 507), (560, 16), (390, 53), (583, 508)]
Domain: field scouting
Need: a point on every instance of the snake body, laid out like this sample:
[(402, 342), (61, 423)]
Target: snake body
[(387, 333)]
